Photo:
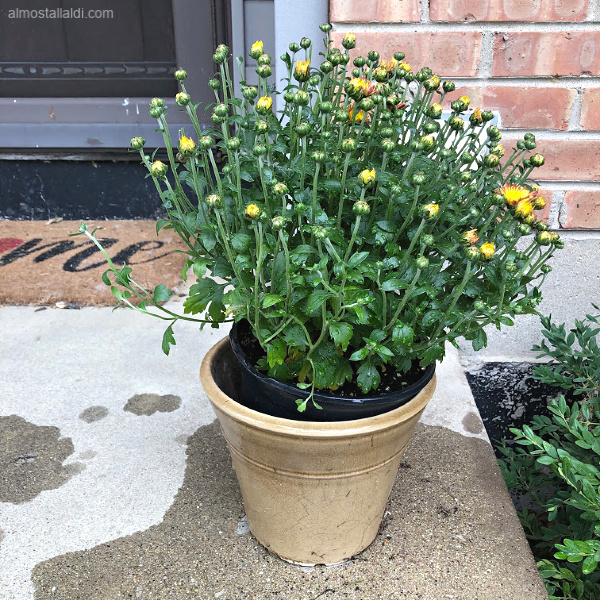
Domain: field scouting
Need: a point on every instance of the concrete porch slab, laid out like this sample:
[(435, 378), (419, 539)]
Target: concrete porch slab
[(116, 483)]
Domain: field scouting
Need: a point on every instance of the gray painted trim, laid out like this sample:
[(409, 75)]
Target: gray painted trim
[(238, 41), (295, 19)]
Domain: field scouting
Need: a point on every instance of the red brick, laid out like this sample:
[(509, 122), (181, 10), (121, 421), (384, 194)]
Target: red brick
[(507, 10), (522, 107), (379, 11), (451, 54), (544, 214), (583, 210), (590, 109), (547, 53), (573, 160)]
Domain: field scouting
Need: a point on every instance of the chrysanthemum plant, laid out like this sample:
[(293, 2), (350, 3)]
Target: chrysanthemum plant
[(355, 229)]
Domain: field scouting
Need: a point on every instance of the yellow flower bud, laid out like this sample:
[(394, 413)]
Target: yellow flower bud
[(302, 70), (263, 106), (471, 237), (186, 145), (431, 210), (465, 100), (256, 50), (539, 202), (366, 177), (158, 169), (487, 250), (252, 211), (524, 208)]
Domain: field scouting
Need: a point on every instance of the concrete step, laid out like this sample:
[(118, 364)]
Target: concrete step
[(116, 482)]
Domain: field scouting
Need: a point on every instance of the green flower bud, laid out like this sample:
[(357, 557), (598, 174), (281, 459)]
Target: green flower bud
[(480, 305), (259, 150), (215, 84), (349, 41), (427, 142), (326, 67), (409, 77), (466, 176), (326, 107), (419, 178), (388, 144), (264, 59), (341, 116), (301, 208), (217, 119), (510, 266), (288, 97), (366, 104), (219, 57), (157, 102), (318, 156), (431, 127), (486, 115), (305, 43), (359, 62), (422, 262), (457, 106), (294, 47), (159, 169), (233, 143), (137, 143), (544, 238), (348, 145), (387, 132), (314, 80), (399, 56), (205, 142), (456, 123), (521, 145), (221, 110), (336, 58), (529, 137), (428, 239), (491, 160), (301, 98), (320, 232), (277, 223), (559, 244), (226, 169), (180, 74), (432, 84), (261, 126), (448, 86), (373, 56), (280, 189), (263, 71), (325, 27), (303, 129), (361, 208), (249, 92), (156, 112), (524, 229), (355, 73), (537, 160), (213, 200), (472, 253), (545, 269), (493, 132)]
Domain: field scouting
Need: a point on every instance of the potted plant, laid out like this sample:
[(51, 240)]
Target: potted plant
[(349, 236)]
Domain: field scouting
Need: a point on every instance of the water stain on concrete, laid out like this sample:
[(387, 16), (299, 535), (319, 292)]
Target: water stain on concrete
[(473, 548), (148, 404), (472, 423), (87, 455), (1, 535), (31, 459), (94, 413)]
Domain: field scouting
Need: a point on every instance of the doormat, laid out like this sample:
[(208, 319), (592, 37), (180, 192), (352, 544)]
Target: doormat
[(41, 265)]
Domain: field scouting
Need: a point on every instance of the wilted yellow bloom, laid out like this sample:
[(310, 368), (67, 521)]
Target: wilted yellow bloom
[(366, 177), (476, 117), (487, 250), (389, 65), (252, 211), (513, 194), (256, 50), (524, 208), (302, 70), (263, 106), (358, 116), (186, 145), (471, 236)]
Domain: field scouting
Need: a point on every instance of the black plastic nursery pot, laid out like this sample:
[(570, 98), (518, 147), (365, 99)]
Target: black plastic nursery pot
[(278, 399)]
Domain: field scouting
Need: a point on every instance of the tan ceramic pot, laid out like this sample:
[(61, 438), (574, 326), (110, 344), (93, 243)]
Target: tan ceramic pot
[(314, 493)]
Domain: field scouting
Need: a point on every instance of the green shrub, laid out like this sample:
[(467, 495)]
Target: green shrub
[(554, 471)]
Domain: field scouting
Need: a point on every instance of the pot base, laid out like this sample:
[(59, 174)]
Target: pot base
[(314, 492)]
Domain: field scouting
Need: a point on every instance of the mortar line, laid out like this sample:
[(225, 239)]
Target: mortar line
[(486, 58), (467, 26), (593, 11), (554, 135), (562, 212), (558, 198), (568, 81), (425, 11)]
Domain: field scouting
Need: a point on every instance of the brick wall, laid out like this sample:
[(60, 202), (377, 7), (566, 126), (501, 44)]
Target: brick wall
[(535, 61)]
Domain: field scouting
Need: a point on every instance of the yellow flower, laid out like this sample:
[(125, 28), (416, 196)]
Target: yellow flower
[(252, 211), (524, 208), (539, 202), (302, 70), (366, 177), (389, 65), (256, 50), (357, 88), (186, 145), (476, 117), (405, 67), (263, 106), (513, 194), (359, 114), (471, 236), (431, 210), (487, 250)]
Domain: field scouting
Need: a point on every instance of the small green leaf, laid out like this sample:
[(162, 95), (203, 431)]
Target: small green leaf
[(360, 354), (276, 352), (271, 300), (341, 334), (161, 293), (403, 334), (368, 377), (168, 340), (316, 300), (241, 242), (357, 258)]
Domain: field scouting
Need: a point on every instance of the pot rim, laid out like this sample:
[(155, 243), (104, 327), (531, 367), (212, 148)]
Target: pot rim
[(312, 429)]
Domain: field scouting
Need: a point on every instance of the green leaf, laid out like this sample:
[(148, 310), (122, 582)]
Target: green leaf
[(270, 300), (241, 242), (200, 266), (294, 336), (276, 352), (403, 334), (316, 300), (368, 377), (392, 284), (161, 293), (360, 354), (208, 239), (168, 340), (357, 258), (341, 334)]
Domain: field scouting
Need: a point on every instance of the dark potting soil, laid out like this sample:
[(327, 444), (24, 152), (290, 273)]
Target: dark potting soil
[(391, 381), (508, 396)]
